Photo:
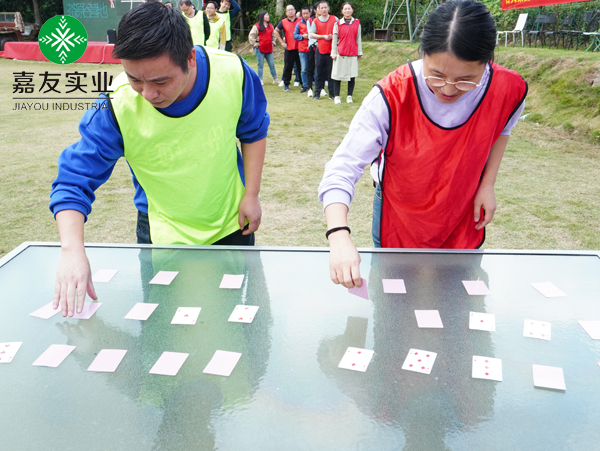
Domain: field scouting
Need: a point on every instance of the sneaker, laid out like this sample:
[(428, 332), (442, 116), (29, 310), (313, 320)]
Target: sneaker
[(281, 83), (337, 100), (323, 93), (296, 83), (275, 81), (310, 93), (349, 99), (326, 83), (286, 88), (303, 90), (316, 98)]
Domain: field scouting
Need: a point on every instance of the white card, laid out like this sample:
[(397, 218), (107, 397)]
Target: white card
[(482, 321), (54, 355), (356, 359), (537, 329), (419, 361), (222, 363), (169, 363), (141, 311), (107, 360), (104, 275), (243, 313), (429, 319), (232, 281), (549, 377), (394, 286), (487, 368), (476, 287), (548, 289), (8, 351), (186, 315), (89, 308), (164, 277), (45, 312), (592, 328)]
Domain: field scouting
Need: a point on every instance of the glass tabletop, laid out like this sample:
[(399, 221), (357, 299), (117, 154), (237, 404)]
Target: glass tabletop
[(287, 392)]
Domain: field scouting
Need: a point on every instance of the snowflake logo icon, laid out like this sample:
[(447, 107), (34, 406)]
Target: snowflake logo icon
[(63, 39)]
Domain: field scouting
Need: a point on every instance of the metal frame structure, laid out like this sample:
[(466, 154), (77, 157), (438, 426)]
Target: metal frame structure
[(405, 18)]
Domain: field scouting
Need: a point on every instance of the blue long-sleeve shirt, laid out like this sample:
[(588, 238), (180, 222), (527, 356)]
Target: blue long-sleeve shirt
[(84, 166), (234, 10)]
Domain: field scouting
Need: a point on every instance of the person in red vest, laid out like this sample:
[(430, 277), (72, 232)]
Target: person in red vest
[(301, 35), (262, 39), (322, 31), (346, 50), (435, 130), (290, 56)]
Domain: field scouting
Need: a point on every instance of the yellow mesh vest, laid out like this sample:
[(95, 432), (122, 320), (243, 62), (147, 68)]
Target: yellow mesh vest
[(196, 24), (215, 33), (187, 166), (227, 18)]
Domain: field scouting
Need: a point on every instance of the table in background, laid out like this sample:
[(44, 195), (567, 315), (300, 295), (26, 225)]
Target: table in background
[(286, 392)]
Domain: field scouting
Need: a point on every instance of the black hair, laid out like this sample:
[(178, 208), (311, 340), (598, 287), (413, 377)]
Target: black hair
[(186, 3), (348, 3), (322, 1), (305, 8), (261, 20), (213, 2), (464, 28), (152, 30), (168, 3)]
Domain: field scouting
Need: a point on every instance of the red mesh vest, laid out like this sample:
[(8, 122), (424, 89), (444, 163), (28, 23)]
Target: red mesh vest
[(265, 40), (325, 28), (288, 28), (303, 44), (347, 45), (431, 174)]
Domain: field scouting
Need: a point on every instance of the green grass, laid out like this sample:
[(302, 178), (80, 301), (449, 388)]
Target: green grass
[(548, 189)]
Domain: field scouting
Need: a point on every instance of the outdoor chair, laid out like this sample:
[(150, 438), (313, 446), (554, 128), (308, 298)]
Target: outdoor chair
[(519, 27), (588, 21), (593, 36), (567, 31), (543, 22)]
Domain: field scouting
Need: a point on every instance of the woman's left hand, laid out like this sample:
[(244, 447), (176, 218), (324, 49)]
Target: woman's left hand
[(484, 199)]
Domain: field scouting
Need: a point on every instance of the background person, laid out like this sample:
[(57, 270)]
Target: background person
[(218, 33), (439, 126), (197, 21), (346, 50), (290, 55), (262, 39), (301, 35), (322, 31), (228, 10)]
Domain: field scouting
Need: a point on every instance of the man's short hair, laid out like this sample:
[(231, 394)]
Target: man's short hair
[(305, 8), (186, 3), (321, 2), (152, 30)]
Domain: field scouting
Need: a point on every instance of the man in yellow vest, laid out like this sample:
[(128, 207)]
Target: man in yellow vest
[(228, 10), (192, 184), (197, 21), (218, 31)]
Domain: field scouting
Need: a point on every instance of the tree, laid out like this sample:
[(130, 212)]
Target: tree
[(36, 12)]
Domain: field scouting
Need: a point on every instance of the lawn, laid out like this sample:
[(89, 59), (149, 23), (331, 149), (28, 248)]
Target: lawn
[(548, 189)]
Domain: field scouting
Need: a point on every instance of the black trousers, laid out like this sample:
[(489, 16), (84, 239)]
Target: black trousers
[(323, 63), (337, 86), (234, 239), (290, 58), (311, 67), (228, 46)]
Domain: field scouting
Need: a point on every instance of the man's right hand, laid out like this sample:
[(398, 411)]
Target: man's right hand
[(73, 280), (344, 260)]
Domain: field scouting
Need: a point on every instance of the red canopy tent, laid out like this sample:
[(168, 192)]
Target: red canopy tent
[(517, 4)]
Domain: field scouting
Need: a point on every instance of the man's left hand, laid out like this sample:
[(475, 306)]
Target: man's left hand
[(249, 210), (484, 199)]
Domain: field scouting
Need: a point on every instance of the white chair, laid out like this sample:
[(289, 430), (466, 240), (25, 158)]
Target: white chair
[(518, 30)]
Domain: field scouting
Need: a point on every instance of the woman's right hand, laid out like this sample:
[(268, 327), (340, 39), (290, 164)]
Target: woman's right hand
[(344, 260)]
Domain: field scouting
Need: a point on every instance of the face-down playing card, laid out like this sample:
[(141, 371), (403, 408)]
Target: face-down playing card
[(394, 286), (429, 319), (164, 277), (356, 359), (53, 356), (419, 361), (476, 287), (222, 363), (107, 360), (548, 377), (141, 311), (169, 363)]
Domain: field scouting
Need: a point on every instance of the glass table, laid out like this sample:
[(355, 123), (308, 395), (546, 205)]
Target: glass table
[(287, 392)]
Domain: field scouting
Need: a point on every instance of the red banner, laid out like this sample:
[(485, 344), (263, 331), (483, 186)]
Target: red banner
[(517, 4)]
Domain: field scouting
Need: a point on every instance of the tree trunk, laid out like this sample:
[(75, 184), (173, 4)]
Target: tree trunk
[(279, 8), (36, 12)]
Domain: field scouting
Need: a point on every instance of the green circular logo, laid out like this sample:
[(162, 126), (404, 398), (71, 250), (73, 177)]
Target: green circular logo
[(63, 39)]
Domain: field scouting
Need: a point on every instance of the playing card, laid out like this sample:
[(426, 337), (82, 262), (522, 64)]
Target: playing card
[(476, 287), (89, 308), (419, 361), (243, 313), (548, 377), (232, 281), (186, 315), (482, 321), (8, 351), (104, 275), (362, 292), (45, 312), (222, 363), (169, 363), (548, 290), (164, 277), (487, 368), (394, 286), (356, 359), (54, 355), (107, 360), (592, 328), (141, 311), (537, 329), (429, 319)]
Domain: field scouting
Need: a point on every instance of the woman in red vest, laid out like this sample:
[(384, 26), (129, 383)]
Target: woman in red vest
[(346, 50), (262, 39), (435, 130)]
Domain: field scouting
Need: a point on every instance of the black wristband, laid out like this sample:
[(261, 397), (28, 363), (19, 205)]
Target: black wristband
[(336, 229)]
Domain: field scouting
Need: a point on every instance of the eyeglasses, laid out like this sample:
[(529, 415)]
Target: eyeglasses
[(437, 82)]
